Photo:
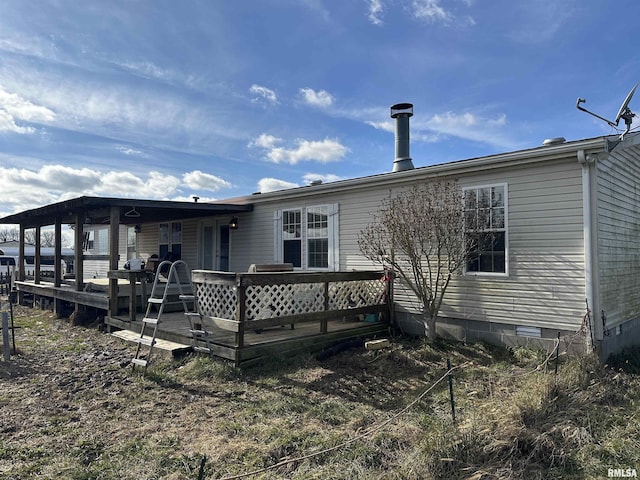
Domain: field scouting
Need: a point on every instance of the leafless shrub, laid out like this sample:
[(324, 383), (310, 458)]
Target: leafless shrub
[(420, 234)]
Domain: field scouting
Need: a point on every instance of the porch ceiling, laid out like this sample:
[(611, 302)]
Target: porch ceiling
[(132, 211)]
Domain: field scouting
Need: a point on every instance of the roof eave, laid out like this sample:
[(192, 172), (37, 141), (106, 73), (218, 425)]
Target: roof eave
[(520, 157)]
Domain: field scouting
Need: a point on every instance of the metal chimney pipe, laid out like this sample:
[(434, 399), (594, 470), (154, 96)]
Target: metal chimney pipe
[(402, 112)]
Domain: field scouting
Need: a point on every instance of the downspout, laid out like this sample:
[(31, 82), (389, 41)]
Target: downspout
[(587, 162)]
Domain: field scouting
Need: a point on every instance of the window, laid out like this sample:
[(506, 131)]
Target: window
[(486, 229), (308, 237), (131, 243), (87, 242), (292, 237), (318, 237), (96, 241), (170, 240)]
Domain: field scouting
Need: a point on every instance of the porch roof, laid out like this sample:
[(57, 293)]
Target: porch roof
[(132, 211)]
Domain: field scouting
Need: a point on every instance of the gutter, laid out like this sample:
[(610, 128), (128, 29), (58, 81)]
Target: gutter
[(588, 163)]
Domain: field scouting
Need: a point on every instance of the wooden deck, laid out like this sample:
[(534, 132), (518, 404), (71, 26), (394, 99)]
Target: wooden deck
[(250, 316), (94, 295), (65, 292), (269, 342)]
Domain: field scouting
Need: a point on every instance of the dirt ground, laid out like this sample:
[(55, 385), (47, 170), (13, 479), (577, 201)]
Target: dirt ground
[(71, 408), (69, 394)]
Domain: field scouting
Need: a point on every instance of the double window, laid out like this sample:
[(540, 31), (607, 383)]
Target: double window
[(170, 240), (486, 229), (307, 237)]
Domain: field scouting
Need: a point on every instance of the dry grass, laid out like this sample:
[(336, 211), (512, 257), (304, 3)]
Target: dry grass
[(72, 409)]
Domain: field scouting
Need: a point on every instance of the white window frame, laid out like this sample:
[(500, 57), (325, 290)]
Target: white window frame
[(333, 254), (505, 229), (170, 238)]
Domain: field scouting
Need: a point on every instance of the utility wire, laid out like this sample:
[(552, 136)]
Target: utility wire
[(354, 439)]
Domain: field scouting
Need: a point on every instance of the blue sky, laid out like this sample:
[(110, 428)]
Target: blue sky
[(169, 99)]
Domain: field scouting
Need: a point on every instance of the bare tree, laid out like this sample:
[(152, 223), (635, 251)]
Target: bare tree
[(420, 234), (47, 236), (9, 234)]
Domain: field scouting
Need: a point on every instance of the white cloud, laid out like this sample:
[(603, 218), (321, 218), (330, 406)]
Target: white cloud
[(451, 122), (118, 183), (387, 125), (321, 98), (160, 185), (189, 198), (473, 127), (375, 11), (131, 152), (15, 108), (204, 181), (468, 126), (272, 184), (264, 94), (430, 10), (323, 151), (265, 141), (148, 70), (25, 189)]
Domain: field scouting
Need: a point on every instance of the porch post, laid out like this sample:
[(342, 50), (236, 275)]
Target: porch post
[(324, 322), (78, 245), (37, 263), (240, 311), (20, 270), (21, 273), (57, 271), (57, 261), (114, 227)]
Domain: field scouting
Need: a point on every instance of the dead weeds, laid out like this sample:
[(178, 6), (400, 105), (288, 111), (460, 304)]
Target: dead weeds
[(72, 408)]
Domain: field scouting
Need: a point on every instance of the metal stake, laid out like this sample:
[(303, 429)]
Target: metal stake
[(453, 405)]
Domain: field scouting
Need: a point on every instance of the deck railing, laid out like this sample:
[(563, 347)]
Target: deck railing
[(6, 281), (240, 302)]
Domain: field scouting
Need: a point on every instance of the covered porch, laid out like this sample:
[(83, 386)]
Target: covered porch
[(80, 215)]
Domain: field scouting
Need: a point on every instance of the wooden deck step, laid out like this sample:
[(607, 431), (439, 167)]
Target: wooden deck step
[(160, 343)]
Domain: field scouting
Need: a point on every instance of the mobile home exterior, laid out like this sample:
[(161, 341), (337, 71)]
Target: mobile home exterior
[(569, 261)]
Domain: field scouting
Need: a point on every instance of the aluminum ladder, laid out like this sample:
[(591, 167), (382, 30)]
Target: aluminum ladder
[(199, 333), (172, 278)]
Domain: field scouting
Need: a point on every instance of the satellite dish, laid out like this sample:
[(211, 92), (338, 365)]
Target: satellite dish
[(624, 108), (624, 113)]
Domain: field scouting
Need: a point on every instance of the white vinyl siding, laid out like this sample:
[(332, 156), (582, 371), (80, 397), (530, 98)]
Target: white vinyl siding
[(545, 286), (618, 214), (99, 268)]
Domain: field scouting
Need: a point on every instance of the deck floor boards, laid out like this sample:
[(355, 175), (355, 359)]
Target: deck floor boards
[(174, 327)]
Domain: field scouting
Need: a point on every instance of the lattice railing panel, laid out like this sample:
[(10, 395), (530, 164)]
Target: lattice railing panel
[(217, 300), (355, 294), (280, 300)]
